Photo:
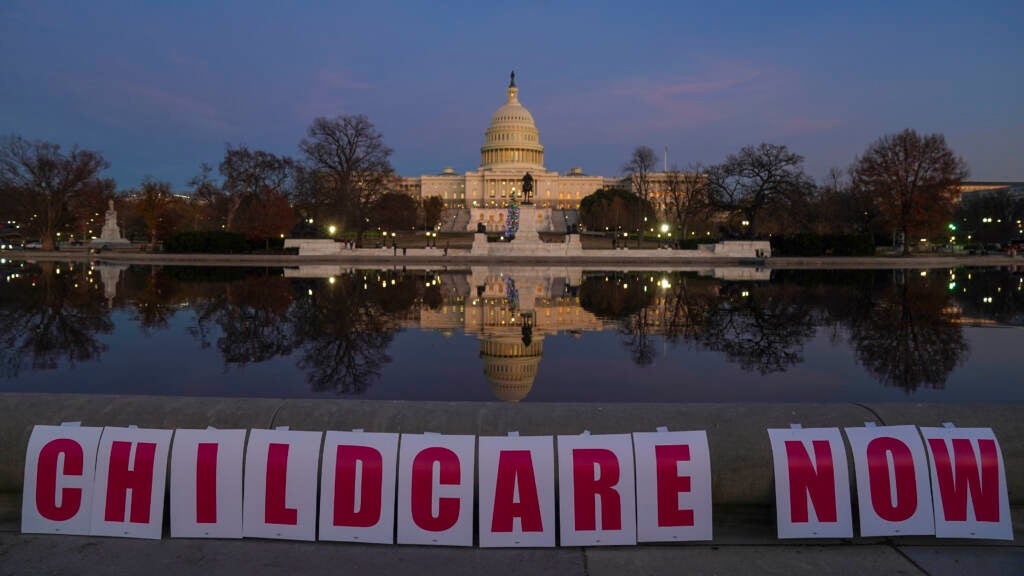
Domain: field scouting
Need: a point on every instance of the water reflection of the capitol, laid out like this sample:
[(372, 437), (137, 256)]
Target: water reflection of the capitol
[(905, 329), (512, 310)]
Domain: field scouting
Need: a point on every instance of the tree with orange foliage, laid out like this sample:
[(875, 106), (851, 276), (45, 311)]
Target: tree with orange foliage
[(913, 180)]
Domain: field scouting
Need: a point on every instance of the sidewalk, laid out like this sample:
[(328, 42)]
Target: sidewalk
[(745, 543)]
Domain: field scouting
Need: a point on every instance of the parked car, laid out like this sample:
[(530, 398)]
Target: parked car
[(34, 245)]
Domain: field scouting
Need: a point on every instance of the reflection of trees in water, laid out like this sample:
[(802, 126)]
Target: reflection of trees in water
[(905, 334), (155, 296), (52, 312), (639, 341), (252, 315), (910, 337), (343, 333), (340, 328), (621, 296), (990, 294), (763, 327)]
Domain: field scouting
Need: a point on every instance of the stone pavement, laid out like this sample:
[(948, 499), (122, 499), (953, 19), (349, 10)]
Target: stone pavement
[(744, 544)]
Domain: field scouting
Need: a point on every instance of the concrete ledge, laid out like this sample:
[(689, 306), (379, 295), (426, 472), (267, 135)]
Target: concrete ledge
[(740, 453)]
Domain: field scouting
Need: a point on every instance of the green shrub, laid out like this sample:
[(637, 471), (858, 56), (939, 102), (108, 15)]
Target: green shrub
[(207, 242), (823, 245)]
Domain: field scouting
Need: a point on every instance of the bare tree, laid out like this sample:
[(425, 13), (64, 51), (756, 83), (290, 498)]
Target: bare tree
[(250, 174), (912, 178), (352, 166), (685, 197), (638, 168), (38, 183), (153, 204), (756, 178)]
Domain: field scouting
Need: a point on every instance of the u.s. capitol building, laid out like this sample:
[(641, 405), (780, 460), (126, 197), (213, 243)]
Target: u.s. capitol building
[(511, 149)]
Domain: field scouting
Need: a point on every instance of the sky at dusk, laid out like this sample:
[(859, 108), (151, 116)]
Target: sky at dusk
[(160, 87)]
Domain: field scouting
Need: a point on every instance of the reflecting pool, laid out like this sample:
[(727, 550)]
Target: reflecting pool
[(514, 334)]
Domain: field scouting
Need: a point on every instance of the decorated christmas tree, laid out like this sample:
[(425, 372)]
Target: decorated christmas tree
[(512, 219)]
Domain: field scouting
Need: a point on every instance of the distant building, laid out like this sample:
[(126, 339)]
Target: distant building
[(512, 149), (1015, 189)]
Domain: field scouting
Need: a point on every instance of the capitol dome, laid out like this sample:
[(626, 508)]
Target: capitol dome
[(511, 365), (512, 139)]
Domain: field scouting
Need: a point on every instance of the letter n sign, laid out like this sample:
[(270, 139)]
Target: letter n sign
[(131, 474), (893, 493), (969, 483), (812, 485), (59, 467)]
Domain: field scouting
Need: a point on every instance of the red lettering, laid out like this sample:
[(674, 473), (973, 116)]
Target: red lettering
[(46, 479), (814, 479), (595, 473), (206, 483), (124, 475), (276, 511), (422, 489), (904, 505), (365, 512), (515, 468), (963, 479), (670, 484)]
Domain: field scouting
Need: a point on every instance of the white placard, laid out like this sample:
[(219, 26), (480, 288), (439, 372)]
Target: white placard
[(357, 487), (596, 490), (893, 492), (206, 474), (673, 486), (517, 491), (435, 489), (60, 464), (131, 475), (280, 484), (969, 483), (812, 484)]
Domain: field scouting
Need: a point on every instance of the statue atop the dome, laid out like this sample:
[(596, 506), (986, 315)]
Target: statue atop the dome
[(512, 84), (527, 188)]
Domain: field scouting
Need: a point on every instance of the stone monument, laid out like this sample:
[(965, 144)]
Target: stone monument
[(110, 236)]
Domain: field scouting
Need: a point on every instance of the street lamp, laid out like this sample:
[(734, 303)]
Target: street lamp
[(331, 229)]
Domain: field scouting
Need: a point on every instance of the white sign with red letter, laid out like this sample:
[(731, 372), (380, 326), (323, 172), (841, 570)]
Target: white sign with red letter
[(893, 491), (969, 481), (280, 484), (812, 483), (596, 489), (435, 489), (206, 471), (357, 487), (673, 486), (59, 466), (517, 491), (131, 475)]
